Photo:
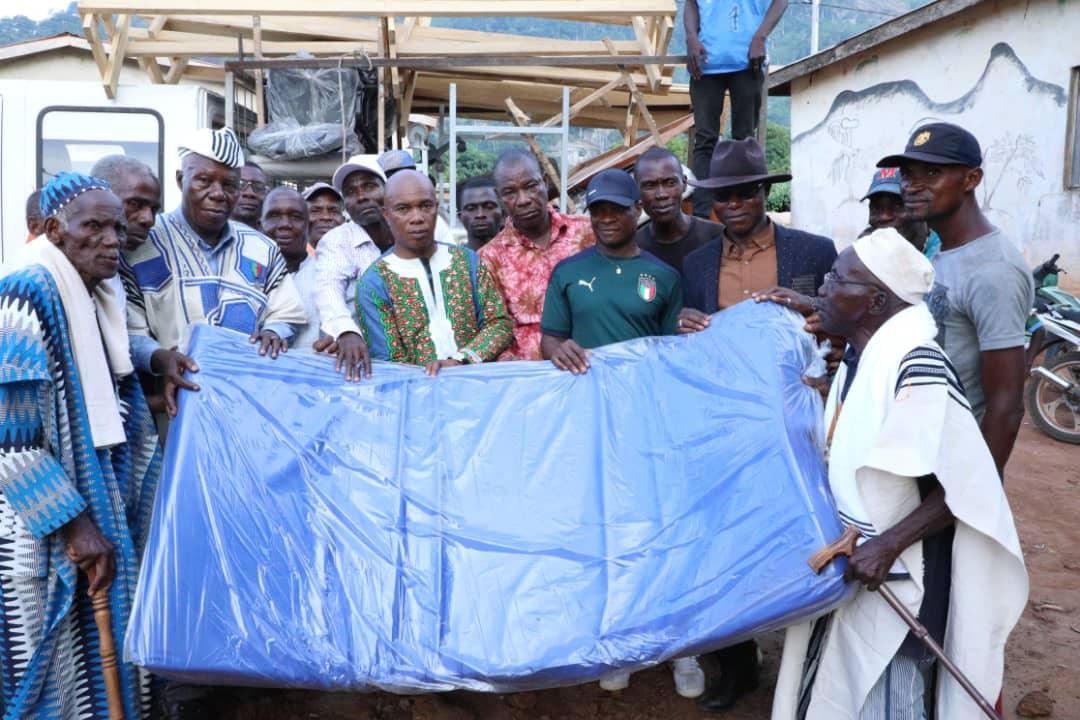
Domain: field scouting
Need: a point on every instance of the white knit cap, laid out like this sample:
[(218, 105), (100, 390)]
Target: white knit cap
[(219, 145), (896, 263)]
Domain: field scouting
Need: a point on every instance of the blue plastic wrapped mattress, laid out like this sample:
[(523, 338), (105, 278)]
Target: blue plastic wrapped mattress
[(500, 527)]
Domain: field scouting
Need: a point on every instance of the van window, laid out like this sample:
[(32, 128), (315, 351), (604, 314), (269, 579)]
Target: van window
[(74, 138)]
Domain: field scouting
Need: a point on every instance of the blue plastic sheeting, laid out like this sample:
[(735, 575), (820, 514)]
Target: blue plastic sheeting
[(501, 527)]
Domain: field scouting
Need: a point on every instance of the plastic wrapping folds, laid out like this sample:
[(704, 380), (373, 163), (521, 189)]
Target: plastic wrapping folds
[(307, 109), (499, 527)]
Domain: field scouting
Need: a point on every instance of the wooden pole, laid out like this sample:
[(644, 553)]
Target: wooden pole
[(845, 546), (109, 668)]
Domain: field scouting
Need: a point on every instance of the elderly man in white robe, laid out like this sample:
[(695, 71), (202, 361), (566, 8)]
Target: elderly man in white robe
[(909, 468)]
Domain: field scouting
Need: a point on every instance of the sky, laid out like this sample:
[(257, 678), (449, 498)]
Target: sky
[(33, 9)]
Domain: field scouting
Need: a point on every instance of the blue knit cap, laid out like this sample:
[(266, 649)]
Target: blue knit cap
[(64, 188)]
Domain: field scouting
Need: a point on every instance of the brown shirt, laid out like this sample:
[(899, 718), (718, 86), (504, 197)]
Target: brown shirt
[(743, 271)]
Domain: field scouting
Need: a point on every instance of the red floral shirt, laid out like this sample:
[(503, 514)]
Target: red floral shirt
[(522, 270)]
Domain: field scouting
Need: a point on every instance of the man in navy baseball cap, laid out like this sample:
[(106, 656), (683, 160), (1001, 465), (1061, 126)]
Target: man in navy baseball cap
[(939, 144), (989, 286), (614, 186), (612, 291)]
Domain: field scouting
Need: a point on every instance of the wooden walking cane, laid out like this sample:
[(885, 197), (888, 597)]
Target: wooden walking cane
[(846, 546), (107, 650)]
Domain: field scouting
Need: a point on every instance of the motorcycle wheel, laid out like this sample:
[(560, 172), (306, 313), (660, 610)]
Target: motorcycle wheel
[(1049, 407)]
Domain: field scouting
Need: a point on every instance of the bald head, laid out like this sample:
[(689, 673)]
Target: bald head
[(410, 210)]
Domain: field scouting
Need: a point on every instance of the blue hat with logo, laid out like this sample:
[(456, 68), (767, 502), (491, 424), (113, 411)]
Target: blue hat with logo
[(886, 180), (614, 186), (64, 188), (938, 144)]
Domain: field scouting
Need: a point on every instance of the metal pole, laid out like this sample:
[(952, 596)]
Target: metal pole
[(815, 25), (563, 172), (453, 155), (230, 99)]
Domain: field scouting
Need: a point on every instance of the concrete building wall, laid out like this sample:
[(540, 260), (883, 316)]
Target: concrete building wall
[(1002, 70), (68, 64)]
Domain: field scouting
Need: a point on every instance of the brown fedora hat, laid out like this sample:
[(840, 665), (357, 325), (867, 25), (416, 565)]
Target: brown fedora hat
[(738, 162)]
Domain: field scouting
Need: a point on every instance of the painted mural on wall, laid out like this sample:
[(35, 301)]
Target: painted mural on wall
[(1019, 120)]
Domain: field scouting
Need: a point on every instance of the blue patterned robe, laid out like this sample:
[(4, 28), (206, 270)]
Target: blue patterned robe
[(50, 471)]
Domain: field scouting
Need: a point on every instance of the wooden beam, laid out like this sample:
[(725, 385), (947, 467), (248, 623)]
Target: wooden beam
[(170, 42), (156, 25), (544, 99), (630, 127), (523, 120), (405, 109), (617, 10), (116, 57), (151, 68), (639, 100), (652, 72), (584, 102), (323, 28), (176, 70), (90, 30), (665, 27), (226, 47), (624, 157)]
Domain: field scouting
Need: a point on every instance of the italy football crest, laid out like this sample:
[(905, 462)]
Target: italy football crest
[(646, 287)]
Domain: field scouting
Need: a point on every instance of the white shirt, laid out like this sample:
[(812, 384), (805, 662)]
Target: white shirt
[(342, 256), (306, 282)]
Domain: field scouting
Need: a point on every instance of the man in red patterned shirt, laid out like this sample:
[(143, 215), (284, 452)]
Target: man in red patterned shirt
[(536, 237)]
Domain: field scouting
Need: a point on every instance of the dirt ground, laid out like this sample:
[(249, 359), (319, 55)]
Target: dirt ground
[(1043, 482)]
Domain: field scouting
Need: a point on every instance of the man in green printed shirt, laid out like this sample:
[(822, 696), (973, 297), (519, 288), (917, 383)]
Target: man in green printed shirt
[(613, 291)]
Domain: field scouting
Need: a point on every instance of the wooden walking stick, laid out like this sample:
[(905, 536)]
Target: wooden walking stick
[(107, 650), (846, 546)]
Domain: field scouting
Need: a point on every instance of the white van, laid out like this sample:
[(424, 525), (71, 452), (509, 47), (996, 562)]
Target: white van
[(49, 127)]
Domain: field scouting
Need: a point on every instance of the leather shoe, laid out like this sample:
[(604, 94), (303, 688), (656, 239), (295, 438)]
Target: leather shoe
[(740, 674)]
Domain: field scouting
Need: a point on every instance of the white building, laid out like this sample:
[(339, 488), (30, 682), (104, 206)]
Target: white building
[(1007, 70)]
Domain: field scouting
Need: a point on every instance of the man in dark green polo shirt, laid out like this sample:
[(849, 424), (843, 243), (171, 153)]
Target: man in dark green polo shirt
[(613, 291)]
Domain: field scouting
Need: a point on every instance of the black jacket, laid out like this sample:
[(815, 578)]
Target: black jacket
[(802, 259)]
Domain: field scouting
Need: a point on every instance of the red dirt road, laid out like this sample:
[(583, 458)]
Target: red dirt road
[(1043, 482)]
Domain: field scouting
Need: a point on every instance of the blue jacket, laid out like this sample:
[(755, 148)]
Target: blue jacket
[(802, 259)]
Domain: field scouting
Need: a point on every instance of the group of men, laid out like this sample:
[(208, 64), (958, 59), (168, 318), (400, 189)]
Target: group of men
[(929, 373)]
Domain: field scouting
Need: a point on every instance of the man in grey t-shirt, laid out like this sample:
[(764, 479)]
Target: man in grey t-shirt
[(989, 288)]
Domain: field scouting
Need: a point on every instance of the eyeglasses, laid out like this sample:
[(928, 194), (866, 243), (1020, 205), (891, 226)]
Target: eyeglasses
[(831, 278), (742, 192), (252, 185)]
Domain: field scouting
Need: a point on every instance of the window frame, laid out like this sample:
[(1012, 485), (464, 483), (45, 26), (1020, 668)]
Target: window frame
[(39, 149)]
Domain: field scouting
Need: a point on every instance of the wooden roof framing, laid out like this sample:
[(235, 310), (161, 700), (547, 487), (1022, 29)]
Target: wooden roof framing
[(176, 31)]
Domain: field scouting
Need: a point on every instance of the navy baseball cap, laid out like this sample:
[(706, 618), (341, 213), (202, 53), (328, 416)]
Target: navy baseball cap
[(939, 144), (886, 180), (614, 186)]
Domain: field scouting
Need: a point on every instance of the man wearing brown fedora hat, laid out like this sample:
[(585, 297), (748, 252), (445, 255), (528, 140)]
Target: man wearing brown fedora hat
[(754, 253)]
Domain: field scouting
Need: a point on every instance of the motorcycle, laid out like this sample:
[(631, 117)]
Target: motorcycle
[(1052, 396)]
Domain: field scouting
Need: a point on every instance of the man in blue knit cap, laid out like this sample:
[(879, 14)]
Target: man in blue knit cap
[(80, 460)]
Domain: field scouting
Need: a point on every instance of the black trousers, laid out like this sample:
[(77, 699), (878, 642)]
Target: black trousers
[(707, 98)]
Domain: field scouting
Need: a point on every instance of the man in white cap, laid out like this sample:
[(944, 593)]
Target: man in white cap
[(342, 256), (326, 208), (908, 467), (199, 266)]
